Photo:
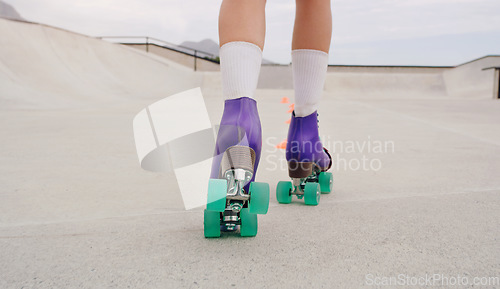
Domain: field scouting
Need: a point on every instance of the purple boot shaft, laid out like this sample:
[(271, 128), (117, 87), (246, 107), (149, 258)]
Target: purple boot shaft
[(239, 126)]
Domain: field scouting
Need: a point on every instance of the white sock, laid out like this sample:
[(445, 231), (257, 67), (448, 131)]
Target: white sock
[(309, 73), (240, 67)]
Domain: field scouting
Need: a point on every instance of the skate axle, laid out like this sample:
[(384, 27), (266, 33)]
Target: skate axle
[(235, 205)]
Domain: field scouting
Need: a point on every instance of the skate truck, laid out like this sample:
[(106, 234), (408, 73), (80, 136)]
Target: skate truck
[(308, 162), (229, 204), (234, 198)]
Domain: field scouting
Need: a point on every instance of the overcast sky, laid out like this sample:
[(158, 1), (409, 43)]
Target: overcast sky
[(370, 32)]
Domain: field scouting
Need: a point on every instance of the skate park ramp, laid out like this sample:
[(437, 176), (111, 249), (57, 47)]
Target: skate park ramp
[(467, 80), (416, 187), (46, 67)]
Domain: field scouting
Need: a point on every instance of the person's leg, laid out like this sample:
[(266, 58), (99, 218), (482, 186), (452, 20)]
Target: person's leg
[(242, 31), (304, 151), (241, 35), (313, 25), (242, 20), (239, 139), (312, 34)]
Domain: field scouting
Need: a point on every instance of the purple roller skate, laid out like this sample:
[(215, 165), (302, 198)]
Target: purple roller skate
[(308, 162), (234, 199)]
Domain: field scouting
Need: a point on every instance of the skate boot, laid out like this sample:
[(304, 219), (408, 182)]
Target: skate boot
[(308, 162), (234, 199)]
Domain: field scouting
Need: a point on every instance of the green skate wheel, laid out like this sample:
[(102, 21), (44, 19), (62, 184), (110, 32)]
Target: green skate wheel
[(259, 198), (217, 191), (325, 181), (283, 192), (311, 194), (211, 224), (248, 226)]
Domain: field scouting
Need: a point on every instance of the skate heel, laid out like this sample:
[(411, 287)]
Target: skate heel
[(300, 169)]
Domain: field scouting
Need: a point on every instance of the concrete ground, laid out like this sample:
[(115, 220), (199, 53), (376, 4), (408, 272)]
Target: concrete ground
[(416, 186), (77, 211)]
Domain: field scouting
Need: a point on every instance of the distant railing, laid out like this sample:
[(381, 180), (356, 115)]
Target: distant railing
[(147, 41), (496, 79)]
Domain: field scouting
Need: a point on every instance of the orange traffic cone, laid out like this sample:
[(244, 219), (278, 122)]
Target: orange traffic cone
[(281, 145)]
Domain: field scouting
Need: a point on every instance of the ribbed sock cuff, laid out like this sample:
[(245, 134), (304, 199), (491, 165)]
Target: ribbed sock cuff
[(240, 67), (309, 73)]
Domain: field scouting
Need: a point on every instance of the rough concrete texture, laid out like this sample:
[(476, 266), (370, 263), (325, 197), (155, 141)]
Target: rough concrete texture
[(76, 210)]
